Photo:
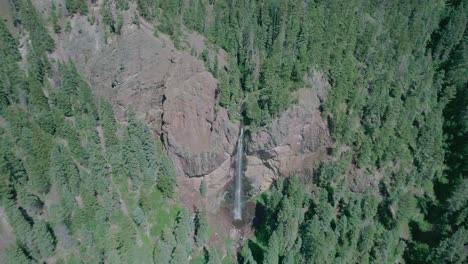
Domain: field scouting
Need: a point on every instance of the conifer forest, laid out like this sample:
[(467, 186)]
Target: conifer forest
[(131, 129)]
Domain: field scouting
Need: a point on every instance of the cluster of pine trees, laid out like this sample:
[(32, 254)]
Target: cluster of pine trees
[(76, 185)]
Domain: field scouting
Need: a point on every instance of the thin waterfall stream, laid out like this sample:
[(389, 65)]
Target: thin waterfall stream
[(238, 175)]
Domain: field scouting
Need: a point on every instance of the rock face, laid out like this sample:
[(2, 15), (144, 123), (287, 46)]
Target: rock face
[(196, 131), (176, 96), (129, 69), (291, 144), (168, 88)]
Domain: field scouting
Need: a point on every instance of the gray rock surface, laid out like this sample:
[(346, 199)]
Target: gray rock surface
[(196, 131), (290, 145)]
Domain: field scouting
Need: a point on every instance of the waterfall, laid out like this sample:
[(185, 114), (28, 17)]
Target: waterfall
[(238, 192)]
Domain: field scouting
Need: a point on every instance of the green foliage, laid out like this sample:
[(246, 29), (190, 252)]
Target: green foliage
[(183, 227), (11, 81), (68, 26), (37, 162), (43, 239), (54, 19), (203, 188), (213, 257), (247, 257), (109, 126), (35, 25), (162, 252), (29, 201), (15, 254), (76, 6), (108, 18), (451, 250), (453, 32), (272, 254), (179, 256), (122, 5), (201, 228), (166, 181)]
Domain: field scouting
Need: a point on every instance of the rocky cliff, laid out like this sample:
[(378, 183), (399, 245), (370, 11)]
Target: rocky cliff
[(176, 95)]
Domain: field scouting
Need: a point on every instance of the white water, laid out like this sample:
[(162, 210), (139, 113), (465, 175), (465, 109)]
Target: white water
[(238, 193)]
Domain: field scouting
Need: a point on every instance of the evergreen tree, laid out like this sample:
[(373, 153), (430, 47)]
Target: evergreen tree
[(201, 228), (54, 18), (38, 161), (179, 256), (15, 254), (450, 250), (109, 126), (214, 257), (138, 216), (272, 254), (203, 188), (19, 223), (247, 256), (166, 180), (183, 226), (43, 239), (29, 201)]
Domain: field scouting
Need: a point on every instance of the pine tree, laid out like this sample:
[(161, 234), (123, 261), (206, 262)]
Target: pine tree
[(34, 24), (109, 126), (179, 256), (247, 256), (29, 201), (37, 162), (453, 33), (43, 239), (214, 257), (183, 226), (166, 181), (16, 218), (54, 18), (15, 254), (289, 258), (130, 155), (203, 188), (37, 100), (272, 254), (138, 216), (451, 249), (201, 228)]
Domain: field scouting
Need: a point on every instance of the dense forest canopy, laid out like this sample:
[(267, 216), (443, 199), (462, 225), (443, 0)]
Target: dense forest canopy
[(77, 186)]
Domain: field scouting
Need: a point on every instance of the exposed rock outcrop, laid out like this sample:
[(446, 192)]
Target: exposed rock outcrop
[(293, 141), (129, 69), (176, 96), (197, 132), (170, 89)]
